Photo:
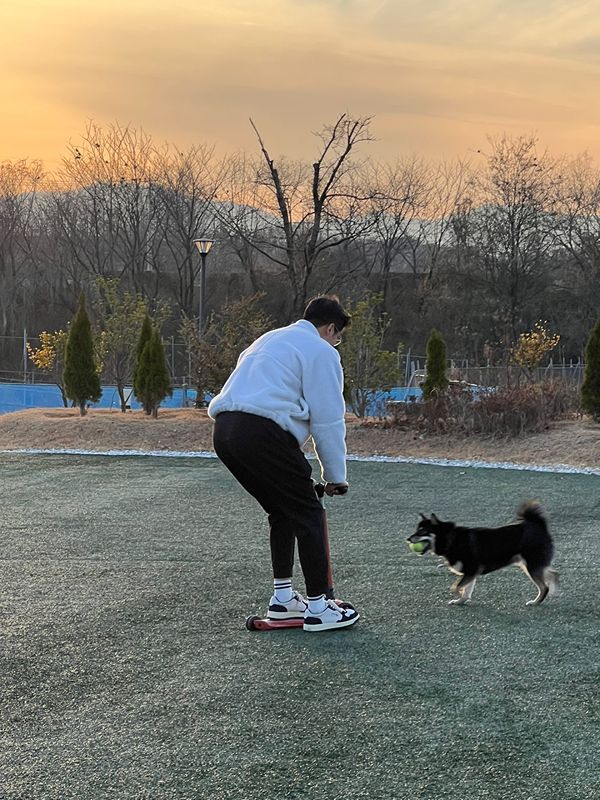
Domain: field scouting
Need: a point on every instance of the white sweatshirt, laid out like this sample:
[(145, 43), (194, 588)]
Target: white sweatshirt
[(293, 377)]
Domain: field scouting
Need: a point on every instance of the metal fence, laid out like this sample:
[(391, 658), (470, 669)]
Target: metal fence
[(16, 367), (465, 371)]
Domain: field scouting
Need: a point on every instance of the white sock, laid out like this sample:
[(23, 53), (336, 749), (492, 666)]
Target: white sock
[(283, 589), (317, 605)]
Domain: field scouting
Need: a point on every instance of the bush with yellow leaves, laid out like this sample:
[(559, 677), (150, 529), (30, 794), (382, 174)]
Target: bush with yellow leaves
[(50, 357), (533, 347)]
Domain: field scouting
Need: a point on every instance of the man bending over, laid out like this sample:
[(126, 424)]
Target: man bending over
[(288, 386)]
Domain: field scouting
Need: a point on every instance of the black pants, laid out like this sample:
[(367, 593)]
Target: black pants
[(270, 465)]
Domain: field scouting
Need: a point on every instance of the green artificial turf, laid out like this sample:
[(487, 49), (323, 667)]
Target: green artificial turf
[(126, 670)]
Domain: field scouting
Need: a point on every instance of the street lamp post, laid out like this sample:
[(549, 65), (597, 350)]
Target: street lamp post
[(203, 246)]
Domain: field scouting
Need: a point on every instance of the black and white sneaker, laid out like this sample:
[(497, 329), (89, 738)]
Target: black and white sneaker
[(333, 617), (293, 609)]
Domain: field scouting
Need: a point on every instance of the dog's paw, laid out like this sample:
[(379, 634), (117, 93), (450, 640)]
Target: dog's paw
[(458, 601)]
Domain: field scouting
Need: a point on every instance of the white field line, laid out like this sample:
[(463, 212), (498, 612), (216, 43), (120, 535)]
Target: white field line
[(72, 452), (439, 462)]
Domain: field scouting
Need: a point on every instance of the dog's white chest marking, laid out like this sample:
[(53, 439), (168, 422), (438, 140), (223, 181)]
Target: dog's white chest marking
[(456, 568)]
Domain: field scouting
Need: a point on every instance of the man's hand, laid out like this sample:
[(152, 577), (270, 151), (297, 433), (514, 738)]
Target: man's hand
[(336, 488)]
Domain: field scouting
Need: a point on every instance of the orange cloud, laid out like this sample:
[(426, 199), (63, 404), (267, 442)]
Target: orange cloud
[(438, 77)]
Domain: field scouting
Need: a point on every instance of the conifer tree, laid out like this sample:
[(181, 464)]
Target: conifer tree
[(435, 368), (80, 376), (153, 382), (143, 339), (590, 388)]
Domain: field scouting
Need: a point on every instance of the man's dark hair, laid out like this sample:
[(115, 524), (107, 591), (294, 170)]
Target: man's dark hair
[(326, 309)]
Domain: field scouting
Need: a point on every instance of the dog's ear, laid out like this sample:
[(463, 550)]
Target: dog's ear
[(423, 517), (434, 519)]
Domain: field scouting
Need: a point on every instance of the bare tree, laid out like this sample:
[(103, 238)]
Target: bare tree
[(20, 230), (452, 187), (187, 184), (105, 210), (290, 211), (576, 231), (503, 236), (399, 197), (414, 206)]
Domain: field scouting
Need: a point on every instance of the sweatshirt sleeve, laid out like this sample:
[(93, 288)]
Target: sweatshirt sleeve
[(323, 391)]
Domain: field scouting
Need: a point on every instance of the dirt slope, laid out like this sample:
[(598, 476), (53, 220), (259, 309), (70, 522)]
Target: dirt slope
[(574, 443)]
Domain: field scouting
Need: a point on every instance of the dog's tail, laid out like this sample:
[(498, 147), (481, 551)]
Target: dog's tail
[(537, 547), (532, 511)]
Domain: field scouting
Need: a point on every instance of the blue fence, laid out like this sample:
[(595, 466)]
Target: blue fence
[(378, 405), (18, 396)]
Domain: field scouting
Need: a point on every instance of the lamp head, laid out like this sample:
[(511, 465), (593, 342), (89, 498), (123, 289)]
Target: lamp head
[(203, 245)]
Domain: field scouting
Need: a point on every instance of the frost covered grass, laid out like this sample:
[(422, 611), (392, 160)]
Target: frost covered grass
[(127, 671)]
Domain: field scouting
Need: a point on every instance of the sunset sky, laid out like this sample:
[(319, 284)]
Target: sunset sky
[(437, 75)]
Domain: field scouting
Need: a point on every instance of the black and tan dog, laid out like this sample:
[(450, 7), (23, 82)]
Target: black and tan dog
[(471, 552)]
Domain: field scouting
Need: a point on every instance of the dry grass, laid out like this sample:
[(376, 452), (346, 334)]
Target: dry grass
[(575, 442), (506, 412)]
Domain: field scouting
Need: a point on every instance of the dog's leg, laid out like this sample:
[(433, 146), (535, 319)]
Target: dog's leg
[(464, 589), (538, 576), (551, 577)]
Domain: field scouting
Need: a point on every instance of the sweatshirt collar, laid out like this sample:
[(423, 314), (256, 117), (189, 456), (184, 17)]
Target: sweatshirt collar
[(305, 323)]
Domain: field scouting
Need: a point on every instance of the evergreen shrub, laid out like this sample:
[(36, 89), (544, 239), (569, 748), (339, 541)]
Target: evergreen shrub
[(80, 375), (590, 388)]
